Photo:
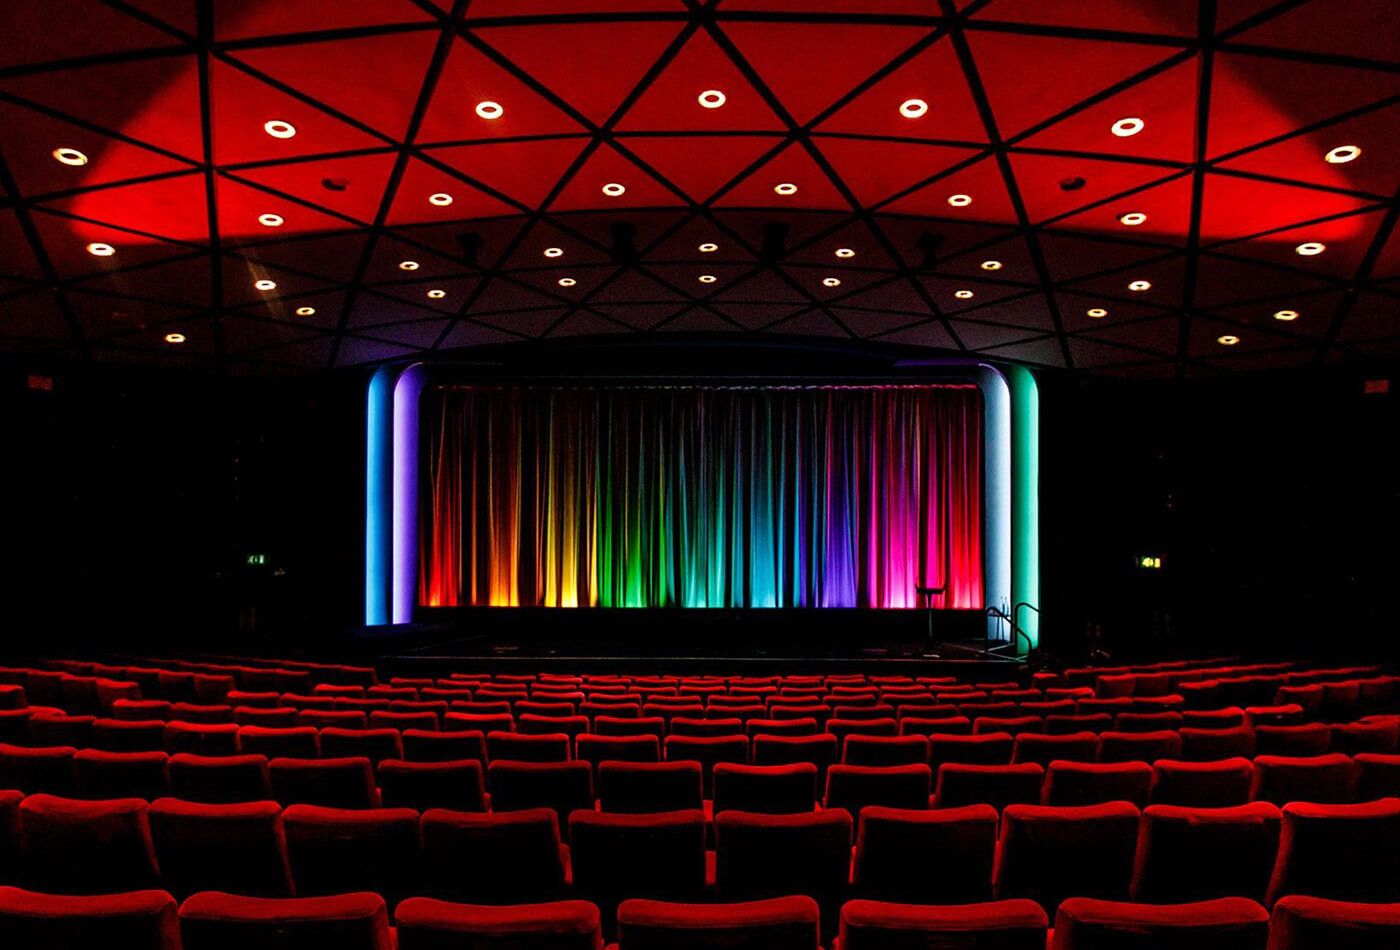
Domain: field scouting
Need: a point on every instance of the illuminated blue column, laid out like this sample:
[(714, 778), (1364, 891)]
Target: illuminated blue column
[(378, 494), (996, 523), (405, 518), (1025, 498)]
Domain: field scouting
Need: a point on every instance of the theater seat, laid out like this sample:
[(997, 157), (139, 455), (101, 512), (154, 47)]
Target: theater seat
[(1316, 923), (428, 924), (561, 786), (784, 923), (337, 850), (852, 787), (334, 783), (1194, 854), (458, 785), (767, 789), (372, 744), (296, 742), (995, 925), (421, 745), (213, 920), (1092, 783), (1309, 739), (821, 750), (894, 848), (649, 787), (1345, 852), (1378, 776), (510, 858), (1230, 923), (47, 769), (595, 749), (77, 847), (993, 748), (707, 750), (233, 778), (995, 785), (617, 857), (238, 848), (201, 738), (884, 750), (1317, 778), (1048, 853), (135, 920), (1217, 784), (1210, 745), (1043, 749), (1139, 746), (514, 747)]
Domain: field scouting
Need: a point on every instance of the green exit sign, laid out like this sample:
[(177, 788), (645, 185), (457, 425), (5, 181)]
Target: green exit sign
[(1150, 562), (256, 560)]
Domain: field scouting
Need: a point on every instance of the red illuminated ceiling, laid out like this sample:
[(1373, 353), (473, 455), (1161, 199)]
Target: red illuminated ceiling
[(877, 113)]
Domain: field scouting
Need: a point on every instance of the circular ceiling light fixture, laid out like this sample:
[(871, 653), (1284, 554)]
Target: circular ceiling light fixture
[(711, 98), (1132, 219), (709, 247), (306, 311), (614, 189), (963, 294), (436, 294), (265, 284), (831, 281), (1287, 316), (1228, 339), (845, 253), (707, 278), (1127, 126), (913, 108), (279, 128), (554, 252), (1343, 154), (408, 265), (1310, 248), (785, 188), (490, 110), (174, 339), (270, 220), (1096, 313), (567, 282), (1138, 286), (98, 249), (959, 201), (70, 156), (441, 199), (991, 265)]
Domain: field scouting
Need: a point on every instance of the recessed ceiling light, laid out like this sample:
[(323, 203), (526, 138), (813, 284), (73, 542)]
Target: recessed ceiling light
[(831, 281), (437, 294), (709, 247), (707, 278), (1228, 339), (1128, 126), (265, 284), (711, 98), (1310, 248), (1138, 286), (98, 249), (305, 311), (959, 201), (1343, 154), (554, 252), (489, 110), (913, 108), (845, 252), (271, 220), (1287, 316), (1132, 219), (1096, 313), (785, 188), (174, 339), (70, 156), (963, 294), (279, 129), (991, 265), (612, 189), (408, 265), (567, 282), (441, 199)]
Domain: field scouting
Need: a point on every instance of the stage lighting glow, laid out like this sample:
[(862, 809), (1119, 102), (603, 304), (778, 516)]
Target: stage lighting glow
[(436, 294), (1310, 248), (279, 129), (1138, 286), (306, 311), (567, 282), (408, 265), (1287, 316), (98, 249), (845, 253), (489, 110), (270, 220), (174, 339), (1132, 219), (959, 201), (709, 247), (1096, 313), (1228, 339), (991, 265), (913, 108), (707, 278), (265, 284), (1128, 126), (963, 294), (70, 156), (614, 189), (441, 199), (1343, 154), (785, 188), (831, 281), (554, 252), (711, 98)]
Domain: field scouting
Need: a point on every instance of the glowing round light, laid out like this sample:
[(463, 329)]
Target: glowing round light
[(271, 220), (490, 110), (845, 253), (991, 265), (785, 188), (306, 311), (567, 282), (98, 249), (831, 281), (711, 98), (174, 339), (1129, 126), (441, 199), (709, 247), (554, 252), (1228, 339), (1343, 154), (436, 294), (279, 129), (913, 108), (1287, 316), (1138, 286), (613, 189), (707, 278), (70, 156), (265, 284), (959, 201), (1310, 248), (408, 265), (1096, 313), (1132, 219), (963, 294)]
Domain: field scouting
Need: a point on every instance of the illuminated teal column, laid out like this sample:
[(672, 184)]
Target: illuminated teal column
[(1025, 498), (379, 479), (996, 518)]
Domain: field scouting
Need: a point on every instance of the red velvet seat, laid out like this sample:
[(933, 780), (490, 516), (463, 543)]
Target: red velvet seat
[(1379, 736), (46, 769), (530, 725), (335, 850), (238, 848), (433, 746), (561, 786), (331, 718), (135, 920), (820, 750), (276, 717), (296, 742), (1044, 749), (1193, 854), (77, 847), (1313, 738), (507, 858), (372, 744), (1217, 784), (234, 778), (1093, 783), (1139, 746), (428, 924), (121, 735), (1147, 721), (780, 727), (1231, 923), (1316, 923), (1211, 745), (595, 749), (1010, 725), (925, 857), (1319, 778), (852, 787), (884, 750), (58, 729), (984, 749), (208, 712), (784, 923), (201, 738), (1378, 776), (649, 787), (459, 785), (630, 726), (1050, 853), (484, 723), (1058, 724), (766, 789), (707, 750), (98, 774), (616, 857), (334, 783), (996, 785), (685, 726), (997, 925), (514, 747), (139, 709), (928, 726), (214, 920), (423, 720), (1345, 852)]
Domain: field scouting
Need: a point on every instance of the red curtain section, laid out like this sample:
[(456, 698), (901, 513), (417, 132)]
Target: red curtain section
[(832, 496)]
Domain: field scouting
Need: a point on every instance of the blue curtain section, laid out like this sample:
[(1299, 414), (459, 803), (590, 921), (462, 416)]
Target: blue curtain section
[(830, 496)]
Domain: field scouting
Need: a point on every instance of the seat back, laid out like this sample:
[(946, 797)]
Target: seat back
[(1049, 853), (852, 787), (424, 923), (218, 780), (1345, 852), (561, 786), (766, 789), (459, 785), (784, 923), (997, 925), (649, 787), (239, 848), (1218, 784), (78, 847), (1230, 923), (893, 847), (333, 783), (213, 920), (136, 920), (995, 785), (1195, 854), (1317, 923), (616, 857), (1092, 783), (335, 851), (487, 858)]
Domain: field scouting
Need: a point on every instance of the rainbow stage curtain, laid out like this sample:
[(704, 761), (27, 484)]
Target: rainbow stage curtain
[(701, 496)]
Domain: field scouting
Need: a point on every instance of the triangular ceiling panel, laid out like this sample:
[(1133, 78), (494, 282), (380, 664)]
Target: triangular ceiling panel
[(1054, 185), (333, 257), (245, 20), (982, 182), (1345, 242), (172, 208), (1175, 16), (725, 159), (66, 243), (523, 171), (75, 29), (696, 320), (1162, 213), (352, 186), (700, 90), (597, 182), (1338, 27), (428, 195), (1233, 206), (250, 215), (876, 170), (1375, 169), (791, 175)]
